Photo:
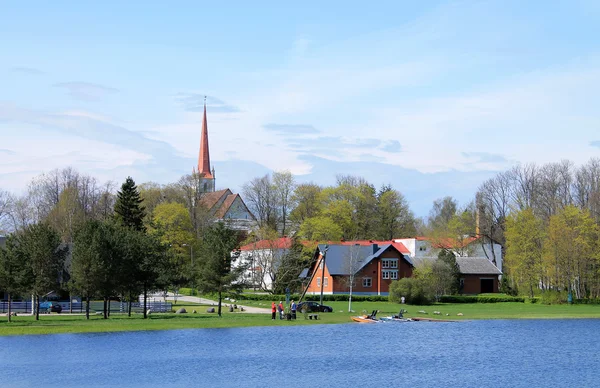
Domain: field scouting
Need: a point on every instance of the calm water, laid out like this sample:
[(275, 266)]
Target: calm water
[(543, 353)]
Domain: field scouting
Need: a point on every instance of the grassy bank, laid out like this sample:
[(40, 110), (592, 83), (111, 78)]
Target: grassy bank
[(53, 324)]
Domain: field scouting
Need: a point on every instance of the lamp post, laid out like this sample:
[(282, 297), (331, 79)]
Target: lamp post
[(323, 255)]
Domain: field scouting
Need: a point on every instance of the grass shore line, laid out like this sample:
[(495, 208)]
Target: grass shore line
[(65, 323)]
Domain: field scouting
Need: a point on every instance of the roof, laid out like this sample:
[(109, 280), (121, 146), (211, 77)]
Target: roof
[(338, 255), (280, 243), (211, 199), (477, 266), (398, 245)]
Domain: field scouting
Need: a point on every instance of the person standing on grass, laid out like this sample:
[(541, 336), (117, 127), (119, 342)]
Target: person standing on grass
[(273, 310), (280, 309), (293, 307)]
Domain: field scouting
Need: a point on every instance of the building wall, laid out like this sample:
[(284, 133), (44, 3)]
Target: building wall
[(314, 286), (238, 211), (472, 283), (340, 285)]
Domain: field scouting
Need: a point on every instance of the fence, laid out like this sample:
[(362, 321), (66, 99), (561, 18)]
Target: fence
[(78, 307)]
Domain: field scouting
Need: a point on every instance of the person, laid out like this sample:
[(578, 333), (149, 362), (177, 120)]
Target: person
[(402, 300), (293, 309), (273, 310), (280, 309)]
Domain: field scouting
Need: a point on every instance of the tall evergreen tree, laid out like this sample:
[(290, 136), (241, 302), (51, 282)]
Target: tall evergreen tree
[(12, 271), (217, 272), (129, 211)]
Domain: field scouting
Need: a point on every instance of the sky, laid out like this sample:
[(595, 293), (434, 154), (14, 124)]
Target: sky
[(432, 97)]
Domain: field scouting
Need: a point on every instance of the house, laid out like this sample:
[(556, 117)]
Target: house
[(368, 265), (478, 275), (262, 258), (424, 248)]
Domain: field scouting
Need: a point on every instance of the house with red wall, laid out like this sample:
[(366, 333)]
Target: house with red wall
[(370, 266)]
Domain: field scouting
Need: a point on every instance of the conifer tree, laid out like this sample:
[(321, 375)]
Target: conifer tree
[(128, 209)]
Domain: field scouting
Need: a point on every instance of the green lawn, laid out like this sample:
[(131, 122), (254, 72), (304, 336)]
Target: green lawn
[(55, 323)]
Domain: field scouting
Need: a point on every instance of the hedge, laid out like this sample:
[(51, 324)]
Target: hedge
[(480, 299)]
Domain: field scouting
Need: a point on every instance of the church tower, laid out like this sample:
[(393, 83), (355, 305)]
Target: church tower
[(206, 175)]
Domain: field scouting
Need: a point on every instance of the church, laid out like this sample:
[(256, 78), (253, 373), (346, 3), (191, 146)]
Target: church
[(223, 205)]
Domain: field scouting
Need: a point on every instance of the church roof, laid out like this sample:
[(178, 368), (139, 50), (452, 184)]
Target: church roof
[(226, 205), (204, 155), (209, 200)]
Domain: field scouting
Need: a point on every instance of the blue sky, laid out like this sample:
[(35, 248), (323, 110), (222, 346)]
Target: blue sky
[(433, 97)]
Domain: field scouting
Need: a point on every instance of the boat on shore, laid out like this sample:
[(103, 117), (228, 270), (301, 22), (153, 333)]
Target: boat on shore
[(367, 318)]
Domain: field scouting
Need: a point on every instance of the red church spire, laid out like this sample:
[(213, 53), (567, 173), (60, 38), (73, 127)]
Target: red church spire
[(204, 157)]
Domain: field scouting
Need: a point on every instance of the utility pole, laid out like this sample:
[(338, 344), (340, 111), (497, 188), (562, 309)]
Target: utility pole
[(323, 256)]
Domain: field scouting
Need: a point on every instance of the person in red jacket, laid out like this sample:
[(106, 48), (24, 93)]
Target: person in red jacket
[(273, 310)]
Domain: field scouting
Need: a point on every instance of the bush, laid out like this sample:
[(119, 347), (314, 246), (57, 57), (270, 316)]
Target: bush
[(553, 297), (412, 289)]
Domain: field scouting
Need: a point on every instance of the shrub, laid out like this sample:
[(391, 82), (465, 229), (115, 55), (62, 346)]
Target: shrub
[(412, 289), (553, 297)]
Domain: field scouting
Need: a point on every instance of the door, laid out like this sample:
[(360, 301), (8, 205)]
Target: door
[(487, 286)]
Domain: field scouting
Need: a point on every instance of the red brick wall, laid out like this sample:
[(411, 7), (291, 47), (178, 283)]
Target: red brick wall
[(472, 283)]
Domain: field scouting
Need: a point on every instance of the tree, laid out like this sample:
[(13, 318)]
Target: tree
[(351, 264), (308, 203), (284, 185), (172, 225), (6, 200), (442, 212), (261, 197), (394, 218), (12, 271), (128, 209), (290, 264), (525, 236), (446, 256), (320, 229), (44, 257), (217, 272), (88, 269)]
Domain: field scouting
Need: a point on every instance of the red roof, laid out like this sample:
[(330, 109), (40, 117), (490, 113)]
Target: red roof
[(280, 243)]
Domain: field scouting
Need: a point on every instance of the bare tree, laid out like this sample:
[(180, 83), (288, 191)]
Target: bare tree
[(261, 197), (6, 200), (284, 186)]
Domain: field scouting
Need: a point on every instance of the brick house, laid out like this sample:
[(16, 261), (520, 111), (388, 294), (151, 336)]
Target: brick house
[(477, 275), (374, 265)]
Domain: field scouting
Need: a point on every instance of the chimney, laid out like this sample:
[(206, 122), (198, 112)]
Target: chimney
[(375, 248), (477, 211)]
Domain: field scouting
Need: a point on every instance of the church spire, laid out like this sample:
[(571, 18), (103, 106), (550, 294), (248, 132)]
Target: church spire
[(204, 157)]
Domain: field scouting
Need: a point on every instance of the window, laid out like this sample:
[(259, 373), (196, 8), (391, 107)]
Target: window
[(389, 263), (325, 282), (367, 283), (394, 275), (385, 275), (321, 263), (318, 282), (385, 263), (422, 248)]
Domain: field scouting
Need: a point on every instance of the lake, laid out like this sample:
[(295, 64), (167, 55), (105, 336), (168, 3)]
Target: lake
[(502, 353)]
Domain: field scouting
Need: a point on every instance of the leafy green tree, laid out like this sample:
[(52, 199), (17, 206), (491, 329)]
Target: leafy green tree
[(447, 256), (216, 272), (307, 198), (525, 236), (44, 257), (394, 218), (290, 265), (129, 211), (320, 229), (12, 271)]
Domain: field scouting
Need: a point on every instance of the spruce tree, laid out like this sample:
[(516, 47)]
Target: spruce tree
[(128, 209)]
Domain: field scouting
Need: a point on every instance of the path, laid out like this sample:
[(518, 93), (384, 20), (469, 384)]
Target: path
[(195, 299)]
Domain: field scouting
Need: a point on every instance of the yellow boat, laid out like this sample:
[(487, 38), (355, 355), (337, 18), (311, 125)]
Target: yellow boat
[(366, 318)]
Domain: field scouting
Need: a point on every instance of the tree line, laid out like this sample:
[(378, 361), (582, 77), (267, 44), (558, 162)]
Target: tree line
[(67, 247)]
